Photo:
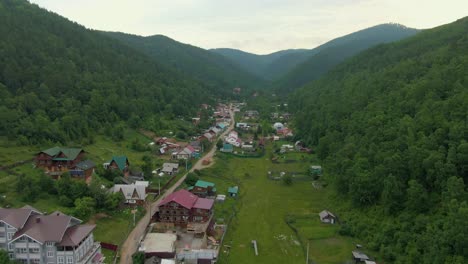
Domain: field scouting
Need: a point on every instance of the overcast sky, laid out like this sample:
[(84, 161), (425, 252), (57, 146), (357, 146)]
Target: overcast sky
[(258, 26)]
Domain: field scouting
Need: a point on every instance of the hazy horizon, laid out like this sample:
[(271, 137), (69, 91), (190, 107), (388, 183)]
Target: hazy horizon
[(261, 27)]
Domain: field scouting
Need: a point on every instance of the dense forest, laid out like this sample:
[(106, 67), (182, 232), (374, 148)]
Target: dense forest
[(60, 81), (336, 51), (290, 69), (391, 125), (269, 66), (211, 68)]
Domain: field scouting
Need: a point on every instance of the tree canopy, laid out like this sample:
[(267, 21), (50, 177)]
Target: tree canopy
[(391, 128)]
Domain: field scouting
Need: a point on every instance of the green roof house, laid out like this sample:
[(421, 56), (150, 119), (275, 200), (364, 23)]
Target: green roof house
[(58, 160), (118, 163), (203, 189), (233, 191), (227, 148)]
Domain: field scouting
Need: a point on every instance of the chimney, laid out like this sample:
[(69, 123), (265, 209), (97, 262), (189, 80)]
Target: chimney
[(38, 220)]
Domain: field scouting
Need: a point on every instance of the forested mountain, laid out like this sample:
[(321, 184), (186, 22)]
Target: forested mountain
[(291, 69), (60, 81), (330, 54), (391, 126), (268, 66), (211, 68)]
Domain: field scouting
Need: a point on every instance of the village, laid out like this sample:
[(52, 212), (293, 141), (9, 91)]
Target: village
[(183, 216)]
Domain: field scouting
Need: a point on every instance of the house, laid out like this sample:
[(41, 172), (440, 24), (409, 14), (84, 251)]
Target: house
[(83, 169), (278, 126), (327, 217), (221, 126), (251, 114), (197, 146), (241, 125), (119, 163), (170, 168), (236, 90), (227, 148), (133, 193), (214, 130), (57, 160), (195, 120), (359, 256), (32, 237), (203, 188), (186, 153), (247, 147), (285, 132), (161, 245), (208, 136), (316, 170), (182, 207), (233, 191)]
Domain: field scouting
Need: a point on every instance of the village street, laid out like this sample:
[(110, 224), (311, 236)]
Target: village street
[(132, 242)]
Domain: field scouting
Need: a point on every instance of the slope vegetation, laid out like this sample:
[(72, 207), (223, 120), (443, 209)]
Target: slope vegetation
[(60, 81), (391, 128), (336, 51), (213, 69)]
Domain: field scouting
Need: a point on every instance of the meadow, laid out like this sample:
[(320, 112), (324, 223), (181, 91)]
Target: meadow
[(264, 209)]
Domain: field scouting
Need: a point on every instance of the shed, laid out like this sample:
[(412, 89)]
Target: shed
[(161, 245), (327, 217), (233, 191), (359, 256), (316, 170)]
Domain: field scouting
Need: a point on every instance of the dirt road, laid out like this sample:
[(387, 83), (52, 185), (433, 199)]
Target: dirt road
[(130, 245)]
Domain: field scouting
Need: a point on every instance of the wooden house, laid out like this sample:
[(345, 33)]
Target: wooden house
[(120, 163), (57, 160), (203, 188), (183, 207)]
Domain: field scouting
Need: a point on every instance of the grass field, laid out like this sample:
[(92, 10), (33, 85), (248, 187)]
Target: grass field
[(261, 210)]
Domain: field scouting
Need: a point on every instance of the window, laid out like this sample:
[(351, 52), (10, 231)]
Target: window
[(10, 236), (60, 260), (50, 244), (11, 247), (1, 224), (50, 254), (23, 238), (11, 255), (69, 260), (34, 250)]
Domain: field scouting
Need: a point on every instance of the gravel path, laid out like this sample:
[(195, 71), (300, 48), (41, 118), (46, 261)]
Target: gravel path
[(130, 245)]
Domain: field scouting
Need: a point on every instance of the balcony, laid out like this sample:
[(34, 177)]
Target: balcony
[(87, 258)]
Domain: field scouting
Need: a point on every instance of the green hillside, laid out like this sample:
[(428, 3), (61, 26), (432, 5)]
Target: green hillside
[(332, 53), (60, 81), (269, 66), (213, 69), (391, 127)]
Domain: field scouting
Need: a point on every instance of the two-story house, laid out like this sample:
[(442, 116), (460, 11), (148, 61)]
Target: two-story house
[(33, 238), (183, 207), (57, 160)]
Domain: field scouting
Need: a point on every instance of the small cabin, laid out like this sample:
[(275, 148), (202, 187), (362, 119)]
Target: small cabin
[(327, 217)]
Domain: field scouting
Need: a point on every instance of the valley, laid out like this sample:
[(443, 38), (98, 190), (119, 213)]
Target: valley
[(126, 148)]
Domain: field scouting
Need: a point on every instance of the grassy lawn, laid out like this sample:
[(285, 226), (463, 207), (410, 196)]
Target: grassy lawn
[(261, 210), (114, 228)]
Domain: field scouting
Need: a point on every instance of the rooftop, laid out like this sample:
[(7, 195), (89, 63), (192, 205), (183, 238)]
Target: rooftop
[(204, 184)]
